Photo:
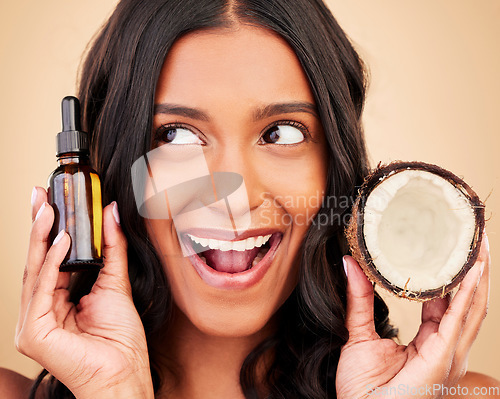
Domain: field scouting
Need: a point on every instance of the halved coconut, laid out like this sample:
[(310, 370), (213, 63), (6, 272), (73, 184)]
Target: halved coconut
[(415, 229)]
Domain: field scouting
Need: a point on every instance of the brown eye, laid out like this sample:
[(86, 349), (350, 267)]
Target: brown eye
[(283, 134), (169, 135), (178, 135)]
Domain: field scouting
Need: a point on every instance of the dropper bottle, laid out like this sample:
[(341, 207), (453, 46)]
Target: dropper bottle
[(74, 191)]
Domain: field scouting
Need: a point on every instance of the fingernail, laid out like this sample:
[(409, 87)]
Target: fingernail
[(116, 215), (58, 237), (482, 268), (345, 265), (486, 241), (34, 193), (40, 211)]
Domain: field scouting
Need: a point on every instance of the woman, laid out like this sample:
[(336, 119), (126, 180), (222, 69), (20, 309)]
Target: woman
[(273, 92)]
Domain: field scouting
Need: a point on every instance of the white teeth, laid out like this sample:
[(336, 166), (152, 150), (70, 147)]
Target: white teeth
[(203, 241), (225, 245), (250, 243), (240, 245), (203, 258), (257, 259), (199, 240)]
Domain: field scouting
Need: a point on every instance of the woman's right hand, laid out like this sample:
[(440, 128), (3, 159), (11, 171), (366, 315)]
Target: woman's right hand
[(97, 348)]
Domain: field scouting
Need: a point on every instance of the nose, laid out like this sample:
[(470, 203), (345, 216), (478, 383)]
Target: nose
[(230, 164)]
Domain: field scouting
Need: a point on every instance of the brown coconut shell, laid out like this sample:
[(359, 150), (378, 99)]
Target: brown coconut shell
[(355, 236)]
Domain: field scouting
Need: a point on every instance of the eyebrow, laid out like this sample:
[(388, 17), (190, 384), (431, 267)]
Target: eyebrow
[(175, 109), (260, 113), (284, 108)]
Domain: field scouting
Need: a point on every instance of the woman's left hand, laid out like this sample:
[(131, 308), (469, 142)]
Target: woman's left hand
[(435, 358)]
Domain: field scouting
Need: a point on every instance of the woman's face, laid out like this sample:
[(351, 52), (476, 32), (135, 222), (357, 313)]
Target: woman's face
[(235, 100)]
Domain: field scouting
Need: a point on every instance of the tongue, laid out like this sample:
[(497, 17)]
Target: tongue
[(230, 261)]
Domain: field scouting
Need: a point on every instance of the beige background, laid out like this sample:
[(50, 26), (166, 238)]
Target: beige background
[(434, 92)]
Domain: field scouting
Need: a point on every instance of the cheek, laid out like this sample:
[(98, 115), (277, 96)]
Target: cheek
[(163, 236), (295, 188)]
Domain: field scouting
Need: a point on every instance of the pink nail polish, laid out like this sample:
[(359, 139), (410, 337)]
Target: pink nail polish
[(58, 237), (345, 265), (40, 211), (116, 215), (34, 194)]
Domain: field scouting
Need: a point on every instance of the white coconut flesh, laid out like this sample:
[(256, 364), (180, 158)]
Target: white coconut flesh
[(418, 229)]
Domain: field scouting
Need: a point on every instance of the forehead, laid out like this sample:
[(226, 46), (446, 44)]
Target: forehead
[(243, 63)]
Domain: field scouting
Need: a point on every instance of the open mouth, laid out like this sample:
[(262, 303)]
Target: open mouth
[(233, 256)]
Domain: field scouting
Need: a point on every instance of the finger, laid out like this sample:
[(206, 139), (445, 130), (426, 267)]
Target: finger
[(359, 317), (38, 197), (434, 310), (63, 280), (453, 321), (114, 274), (42, 300), (62, 307), (37, 251), (432, 314), (479, 307), (39, 243)]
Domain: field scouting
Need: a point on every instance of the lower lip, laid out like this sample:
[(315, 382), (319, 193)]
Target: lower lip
[(240, 280)]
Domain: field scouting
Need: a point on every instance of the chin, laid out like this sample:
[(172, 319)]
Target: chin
[(226, 326), (233, 317)]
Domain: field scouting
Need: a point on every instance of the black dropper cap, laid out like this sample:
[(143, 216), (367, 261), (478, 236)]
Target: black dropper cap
[(71, 139)]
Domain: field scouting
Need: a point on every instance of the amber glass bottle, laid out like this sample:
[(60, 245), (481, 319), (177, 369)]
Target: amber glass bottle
[(74, 191)]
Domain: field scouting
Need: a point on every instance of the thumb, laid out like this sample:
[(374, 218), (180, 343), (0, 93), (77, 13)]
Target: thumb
[(114, 274), (359, 317)]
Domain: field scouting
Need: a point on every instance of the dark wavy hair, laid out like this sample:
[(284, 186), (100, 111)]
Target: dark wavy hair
[(117, 90)]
